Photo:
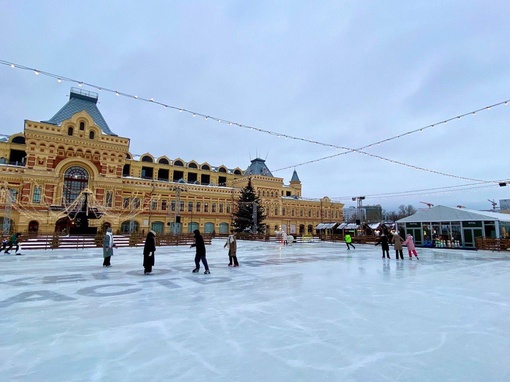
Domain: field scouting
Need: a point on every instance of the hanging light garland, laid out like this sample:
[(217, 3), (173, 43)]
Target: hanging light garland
[(347, 150)]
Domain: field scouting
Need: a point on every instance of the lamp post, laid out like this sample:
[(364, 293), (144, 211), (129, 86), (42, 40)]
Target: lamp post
[(359, 213)]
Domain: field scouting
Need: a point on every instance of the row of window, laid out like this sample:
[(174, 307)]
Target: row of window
[(135, 203), (180, 163), (70, 131)]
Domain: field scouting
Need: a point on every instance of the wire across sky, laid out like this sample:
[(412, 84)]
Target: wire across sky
[(345, 150)]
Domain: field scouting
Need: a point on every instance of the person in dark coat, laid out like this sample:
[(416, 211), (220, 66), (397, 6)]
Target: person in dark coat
[(385, 245), (108, 246), (13, 241), (200, 255), (148, 252)]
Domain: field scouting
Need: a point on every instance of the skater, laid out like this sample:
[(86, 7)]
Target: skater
[(200, 255), (385, 245), (411, 249), (13, 241), (397, 244), (232, 249), (148, 252), (348, 241), (108, 246)]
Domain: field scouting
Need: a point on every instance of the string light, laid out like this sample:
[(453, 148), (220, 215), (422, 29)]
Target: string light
[(422, 192), (281, 135)]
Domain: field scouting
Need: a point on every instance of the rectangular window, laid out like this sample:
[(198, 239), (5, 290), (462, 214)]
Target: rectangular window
[(221, 208), (190, 206), (206, 207), (136, 203), (213, 207), (163, 205), (154, 205), (182, 207), (109, 199), (228, 208), (198, 207), (172, 206), (125, 202), (276, 211), (37, 194)]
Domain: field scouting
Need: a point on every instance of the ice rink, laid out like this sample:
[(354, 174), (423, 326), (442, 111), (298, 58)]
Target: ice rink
[(306, 312)]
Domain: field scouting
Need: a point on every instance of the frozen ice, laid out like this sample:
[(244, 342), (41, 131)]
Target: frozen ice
[(305, 312)]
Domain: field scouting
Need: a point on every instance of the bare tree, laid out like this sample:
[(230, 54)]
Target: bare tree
[(404, 211)]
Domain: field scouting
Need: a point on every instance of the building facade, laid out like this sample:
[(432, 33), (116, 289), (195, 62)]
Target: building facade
[(73, 174)]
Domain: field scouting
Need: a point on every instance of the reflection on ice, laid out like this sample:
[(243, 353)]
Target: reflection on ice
[(306, 312)]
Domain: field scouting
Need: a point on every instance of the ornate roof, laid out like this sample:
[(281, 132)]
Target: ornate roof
[(295, 177), (81, 100), (258, 167)]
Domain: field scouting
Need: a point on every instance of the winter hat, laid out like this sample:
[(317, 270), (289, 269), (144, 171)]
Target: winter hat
[(154, 233)]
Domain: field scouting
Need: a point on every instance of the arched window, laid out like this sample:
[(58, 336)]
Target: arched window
[(192, 165), (76, 179), (147, 158), (69, 131), (206, 167), (163, 161), (82, 126), (91, 135), (129, 226), (178, 163), (209, 227)]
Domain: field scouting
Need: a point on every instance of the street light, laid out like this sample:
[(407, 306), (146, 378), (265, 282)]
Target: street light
[(359, 205)]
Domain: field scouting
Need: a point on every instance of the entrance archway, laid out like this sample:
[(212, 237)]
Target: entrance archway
[(33, 228), (63, 225)]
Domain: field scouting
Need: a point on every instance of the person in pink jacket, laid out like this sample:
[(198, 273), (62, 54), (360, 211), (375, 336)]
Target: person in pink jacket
[(411, 249)]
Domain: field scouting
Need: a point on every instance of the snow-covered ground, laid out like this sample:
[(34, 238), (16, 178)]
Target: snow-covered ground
[(306, 312)]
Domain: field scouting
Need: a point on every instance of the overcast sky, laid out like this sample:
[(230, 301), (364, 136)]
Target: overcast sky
[(340, 73)]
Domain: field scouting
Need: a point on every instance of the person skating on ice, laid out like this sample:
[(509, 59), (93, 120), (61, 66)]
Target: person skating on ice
[(232, 249), (411, 249), (108, 245), (385, 245), (200, 254), (13, 241), (348, 241), (397, 244), (148, 252)]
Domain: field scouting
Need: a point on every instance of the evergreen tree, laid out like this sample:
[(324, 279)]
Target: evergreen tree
[(244, 214)]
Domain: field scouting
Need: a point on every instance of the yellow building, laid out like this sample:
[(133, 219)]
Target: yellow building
[(73, 174)]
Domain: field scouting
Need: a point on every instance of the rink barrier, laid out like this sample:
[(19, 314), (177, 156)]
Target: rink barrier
[(490, 244), (49, 242)]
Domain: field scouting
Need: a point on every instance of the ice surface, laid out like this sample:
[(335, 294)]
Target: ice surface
[(306, 312)]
